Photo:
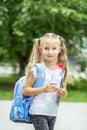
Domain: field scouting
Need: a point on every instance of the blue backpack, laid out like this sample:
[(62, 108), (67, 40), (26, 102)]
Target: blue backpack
[(20, 105)]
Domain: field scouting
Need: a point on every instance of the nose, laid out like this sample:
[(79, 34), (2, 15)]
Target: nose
[(50, 51)]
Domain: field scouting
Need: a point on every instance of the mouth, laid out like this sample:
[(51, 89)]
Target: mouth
[(49, 56)]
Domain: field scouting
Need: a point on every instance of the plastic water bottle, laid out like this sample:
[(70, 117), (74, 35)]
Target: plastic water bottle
[(51, 96)]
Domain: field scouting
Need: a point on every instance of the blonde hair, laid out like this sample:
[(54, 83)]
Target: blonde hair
[(36, 55)]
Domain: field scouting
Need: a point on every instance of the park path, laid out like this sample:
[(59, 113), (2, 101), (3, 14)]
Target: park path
[(71, 116)]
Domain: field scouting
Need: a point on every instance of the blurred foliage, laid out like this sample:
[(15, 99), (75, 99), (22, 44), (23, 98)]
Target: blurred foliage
[(78, 84), (22, 21), (83, 64), (8, 79), (77, 92)]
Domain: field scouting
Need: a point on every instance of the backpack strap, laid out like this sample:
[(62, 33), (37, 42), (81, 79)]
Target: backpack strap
[(40, 75)]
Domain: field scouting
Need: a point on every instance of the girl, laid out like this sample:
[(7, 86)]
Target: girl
[(50, 52)]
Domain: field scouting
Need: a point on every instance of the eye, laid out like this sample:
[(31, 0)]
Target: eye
[(46, 48), (54, 48)]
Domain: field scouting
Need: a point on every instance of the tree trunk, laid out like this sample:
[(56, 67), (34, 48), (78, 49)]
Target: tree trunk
[(22, 59)]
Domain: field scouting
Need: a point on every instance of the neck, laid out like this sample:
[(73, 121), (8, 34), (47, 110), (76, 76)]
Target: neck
[(50, 65)]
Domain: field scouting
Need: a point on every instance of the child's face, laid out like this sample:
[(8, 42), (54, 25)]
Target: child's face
[(50, 50)]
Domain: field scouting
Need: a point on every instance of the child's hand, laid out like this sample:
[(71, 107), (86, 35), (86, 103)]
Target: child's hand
[(61, 92), (51, 87)]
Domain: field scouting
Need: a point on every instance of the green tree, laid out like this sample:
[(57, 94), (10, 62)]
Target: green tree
[(29, 19), (3, 31)]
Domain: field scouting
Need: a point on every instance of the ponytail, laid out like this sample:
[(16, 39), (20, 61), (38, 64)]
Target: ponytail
[(62, 57), (35, 56)]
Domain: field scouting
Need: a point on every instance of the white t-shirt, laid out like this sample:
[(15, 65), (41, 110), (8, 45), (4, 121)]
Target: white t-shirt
[(46, 103)]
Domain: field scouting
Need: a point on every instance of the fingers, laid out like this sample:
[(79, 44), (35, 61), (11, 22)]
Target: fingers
[(61, 92), (50, 87), (52, 83)]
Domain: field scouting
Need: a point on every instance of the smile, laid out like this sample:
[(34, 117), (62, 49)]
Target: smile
[(49, 56)]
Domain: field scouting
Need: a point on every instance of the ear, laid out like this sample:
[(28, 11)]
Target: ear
[(40, 49)]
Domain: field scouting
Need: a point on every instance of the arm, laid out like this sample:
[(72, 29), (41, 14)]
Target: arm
[(28, 89)]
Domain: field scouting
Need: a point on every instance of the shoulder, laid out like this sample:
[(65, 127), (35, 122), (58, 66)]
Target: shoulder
[(39, 67)]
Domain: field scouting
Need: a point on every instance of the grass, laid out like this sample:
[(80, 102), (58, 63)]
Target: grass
[(8, 79), (6, 94), (76, 96), (7, 87), (77, 92)]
